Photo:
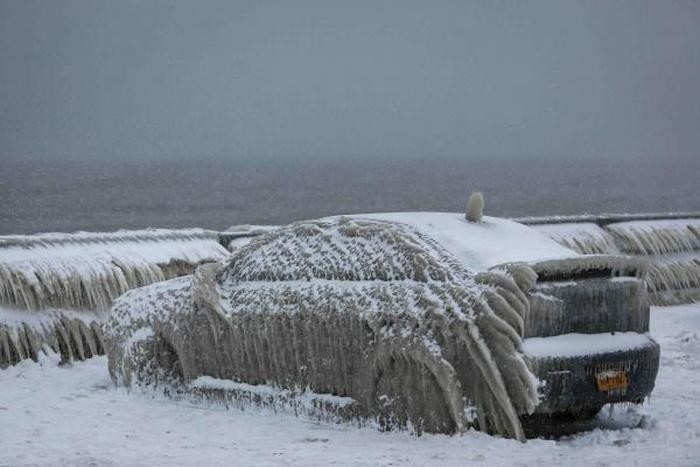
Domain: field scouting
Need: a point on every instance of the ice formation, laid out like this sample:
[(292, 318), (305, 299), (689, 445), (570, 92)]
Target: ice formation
[(356, 308), (299, 401), (23, 334), (88, 271), (672, 247), (586, 238), (657, 237), (57, 287)]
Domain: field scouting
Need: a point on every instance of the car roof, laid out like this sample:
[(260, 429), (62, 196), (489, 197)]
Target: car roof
[(482, 245)]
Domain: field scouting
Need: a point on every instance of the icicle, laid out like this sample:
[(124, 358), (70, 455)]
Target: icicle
[(88, 271), (674, 279), (503, 412), (85, 271), (584, 238), (6, 352), (657, 237), (24, 334), (672, 247)]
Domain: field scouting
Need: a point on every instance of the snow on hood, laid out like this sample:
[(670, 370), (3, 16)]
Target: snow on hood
[(483, 245)]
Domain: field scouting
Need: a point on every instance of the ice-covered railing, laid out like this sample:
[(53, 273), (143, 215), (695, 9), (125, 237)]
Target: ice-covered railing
[(605, 219), (673, 247), (657, 237), (89, 270), (71, 334), (586, 238), (73, 279), (671, 242)]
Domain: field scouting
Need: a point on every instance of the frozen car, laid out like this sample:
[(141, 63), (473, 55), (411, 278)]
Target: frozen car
[(420, 320)]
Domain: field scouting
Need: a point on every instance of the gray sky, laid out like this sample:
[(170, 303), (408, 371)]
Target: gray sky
[(172, 79)]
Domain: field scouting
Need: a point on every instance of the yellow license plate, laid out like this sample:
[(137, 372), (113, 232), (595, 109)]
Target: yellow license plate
[(611, 380)]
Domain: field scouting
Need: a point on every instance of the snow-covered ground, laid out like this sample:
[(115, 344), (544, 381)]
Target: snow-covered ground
[(73, 415)]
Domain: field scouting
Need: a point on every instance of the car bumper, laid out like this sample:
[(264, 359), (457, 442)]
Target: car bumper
[(568, 371)]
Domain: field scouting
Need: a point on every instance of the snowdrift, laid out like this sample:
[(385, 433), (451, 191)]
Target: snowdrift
[(56, 288), (355, 309)]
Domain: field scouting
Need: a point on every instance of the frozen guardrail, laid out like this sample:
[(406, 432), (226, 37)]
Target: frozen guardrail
[(671, 242), (605, 219), (55, 288)]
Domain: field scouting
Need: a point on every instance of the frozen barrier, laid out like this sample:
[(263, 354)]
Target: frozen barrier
[(675, 279), (673, 247), (671, 242), (586, 238), (57, 286), (71, 334), (657, 237)]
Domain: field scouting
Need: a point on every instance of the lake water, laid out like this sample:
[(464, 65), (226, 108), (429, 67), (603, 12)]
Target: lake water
[(40, 196)]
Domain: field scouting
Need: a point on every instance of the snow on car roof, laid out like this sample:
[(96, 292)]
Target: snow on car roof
[(480, 245)]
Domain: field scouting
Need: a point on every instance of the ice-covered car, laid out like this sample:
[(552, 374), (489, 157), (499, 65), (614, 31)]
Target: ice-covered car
[(411, 319)]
